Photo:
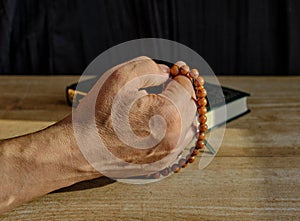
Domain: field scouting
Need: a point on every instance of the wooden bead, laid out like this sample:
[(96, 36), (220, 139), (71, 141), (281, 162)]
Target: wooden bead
[(184, 69), (201, 136), (175, 168), (194, 73), (156, 175), (200, 144), (203, 127), (182, 163), (201, 93), (192, 149), (192, 159), (202, 110), (195, 152), (148, 176), (202, 119), (187, 157), (165, 172), (199, 81), (174, 70), (202, 101), (204, 92)]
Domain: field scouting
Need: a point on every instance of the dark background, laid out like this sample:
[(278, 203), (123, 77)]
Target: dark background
[(233, 36)]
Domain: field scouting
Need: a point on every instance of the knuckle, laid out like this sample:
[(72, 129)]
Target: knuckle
[(145, 61), (143, 57), (118, 75)]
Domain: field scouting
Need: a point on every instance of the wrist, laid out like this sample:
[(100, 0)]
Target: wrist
[(39, 163), (61, 153)]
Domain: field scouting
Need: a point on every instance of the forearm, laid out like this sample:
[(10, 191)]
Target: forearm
[(38, 163)]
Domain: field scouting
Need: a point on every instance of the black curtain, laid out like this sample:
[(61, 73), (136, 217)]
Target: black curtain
[(233, 36)]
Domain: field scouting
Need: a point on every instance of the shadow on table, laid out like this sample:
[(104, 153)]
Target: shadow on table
[(89, 184)]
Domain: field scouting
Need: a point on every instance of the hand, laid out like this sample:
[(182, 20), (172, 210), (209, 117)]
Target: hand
[(38, 163), (139, 132)]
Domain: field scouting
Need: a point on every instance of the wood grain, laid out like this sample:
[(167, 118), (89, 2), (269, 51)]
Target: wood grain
[(255, 176)]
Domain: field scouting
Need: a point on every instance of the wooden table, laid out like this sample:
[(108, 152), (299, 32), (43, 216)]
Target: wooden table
[(255, 176)]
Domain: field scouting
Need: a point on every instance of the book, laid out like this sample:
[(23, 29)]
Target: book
[(235, 105), (235, 101)]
